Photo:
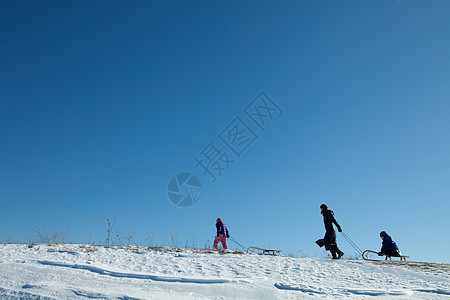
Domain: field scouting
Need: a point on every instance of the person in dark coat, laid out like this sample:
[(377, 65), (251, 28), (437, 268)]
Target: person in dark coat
[(222, 234), (389, 247), (330, 235)]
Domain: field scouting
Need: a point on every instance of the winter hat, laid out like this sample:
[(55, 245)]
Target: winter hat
[(218, 220), (324, 206), (383, 234)]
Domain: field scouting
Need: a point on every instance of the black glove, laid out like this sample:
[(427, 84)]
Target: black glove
[(228, 235), (380, 254), (339, 229)]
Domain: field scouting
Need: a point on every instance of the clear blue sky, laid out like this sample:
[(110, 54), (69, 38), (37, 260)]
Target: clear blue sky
[(102, 102)]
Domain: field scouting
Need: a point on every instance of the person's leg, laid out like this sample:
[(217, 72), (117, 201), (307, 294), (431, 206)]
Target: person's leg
[(216, 242), (339, 252), (224, 242), (393, 253), (330, 242)]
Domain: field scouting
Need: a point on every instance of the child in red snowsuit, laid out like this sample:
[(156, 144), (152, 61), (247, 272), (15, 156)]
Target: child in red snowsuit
[(222, 234)]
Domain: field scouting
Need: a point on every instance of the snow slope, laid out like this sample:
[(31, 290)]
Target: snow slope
[(70, 272)]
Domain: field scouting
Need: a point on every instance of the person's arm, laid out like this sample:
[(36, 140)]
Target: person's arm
[(336, 223), (228, 235), (218, 229), (385, 243), (388, 243)]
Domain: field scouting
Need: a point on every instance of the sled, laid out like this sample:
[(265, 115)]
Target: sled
[(264, 251), (365, 256)]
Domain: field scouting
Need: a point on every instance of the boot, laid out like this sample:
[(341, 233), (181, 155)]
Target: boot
[(339, 254), (333, 253)]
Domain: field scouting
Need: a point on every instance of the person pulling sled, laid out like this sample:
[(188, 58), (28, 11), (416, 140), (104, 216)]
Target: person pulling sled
[(329, 241), (222, 234)]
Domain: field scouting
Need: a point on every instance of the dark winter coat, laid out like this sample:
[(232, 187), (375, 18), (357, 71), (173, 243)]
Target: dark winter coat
[(330, 241), (330, 235), (389, 246), (328, 220), (221, 229)]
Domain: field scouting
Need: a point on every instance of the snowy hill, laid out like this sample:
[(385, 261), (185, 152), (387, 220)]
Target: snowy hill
[(75, 272)]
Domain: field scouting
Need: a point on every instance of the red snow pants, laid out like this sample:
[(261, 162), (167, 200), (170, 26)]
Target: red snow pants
[(220, 238)]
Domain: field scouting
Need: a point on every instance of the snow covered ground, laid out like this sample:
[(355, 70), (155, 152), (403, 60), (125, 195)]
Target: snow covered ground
[(71, 272)]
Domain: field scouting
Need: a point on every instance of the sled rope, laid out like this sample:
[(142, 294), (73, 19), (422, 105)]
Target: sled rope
[(352, 243), (233, 240)]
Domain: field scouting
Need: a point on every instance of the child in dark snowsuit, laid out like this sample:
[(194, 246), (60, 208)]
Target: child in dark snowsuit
[(330, 235), (389, 247), (222, 234)]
